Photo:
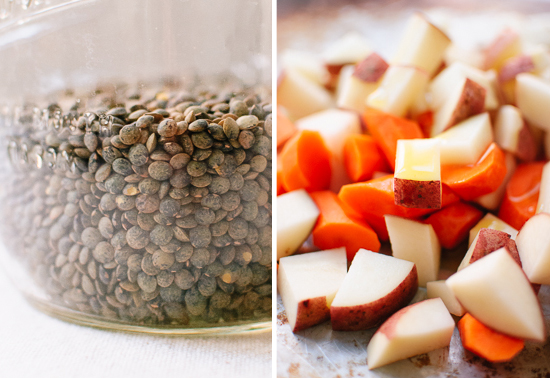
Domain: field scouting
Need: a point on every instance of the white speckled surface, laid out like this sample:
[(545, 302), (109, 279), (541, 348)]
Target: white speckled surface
[(34, 345)]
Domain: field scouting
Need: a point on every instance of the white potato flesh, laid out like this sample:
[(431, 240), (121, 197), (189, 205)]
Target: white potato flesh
[(492, 221), (416, 329), (399, 88), (415, 242), (371, 276), (301, 96), (458, 54), (533, 97), (354, 93), (418, 160), (343, 77), (422, 45), (533, 244), (453, 75), (307, 64), (495, 290), (508, 124), (439, 289), (463, 98), (296, 216), (466, 142), (308, 276), (351, 48)]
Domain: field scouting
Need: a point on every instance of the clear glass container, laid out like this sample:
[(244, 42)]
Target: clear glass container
[(136, 161)]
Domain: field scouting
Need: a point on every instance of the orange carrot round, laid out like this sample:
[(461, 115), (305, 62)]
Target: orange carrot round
[(452, 224), (362, 157), (472, 181), (522, 194), (305, 162), (487, 343), (335, 229)]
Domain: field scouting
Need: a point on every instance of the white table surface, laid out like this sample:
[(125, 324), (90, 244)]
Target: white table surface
[(33, 344)]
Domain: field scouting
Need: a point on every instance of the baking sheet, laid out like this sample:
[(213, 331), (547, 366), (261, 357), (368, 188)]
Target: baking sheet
[(319, 352), (309, 25)]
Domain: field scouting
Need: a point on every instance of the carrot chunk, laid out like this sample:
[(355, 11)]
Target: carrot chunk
[(387, 129), (280, 187), (487, 343), (522, 194), (483, 177), (371, 200), (305, 162), (362, 158), (336, 229), (452, 224), (285, 128)]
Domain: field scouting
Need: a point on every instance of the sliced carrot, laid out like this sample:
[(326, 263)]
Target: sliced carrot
[(335, 229), (305, 162), (386, 129), (425, 121), (285, 128), (483, 177), (486, 342), (452, 224), (371, 200), (522, 194), (362, 157)]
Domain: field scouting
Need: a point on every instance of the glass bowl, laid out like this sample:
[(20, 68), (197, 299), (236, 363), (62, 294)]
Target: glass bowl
[(136, 162)]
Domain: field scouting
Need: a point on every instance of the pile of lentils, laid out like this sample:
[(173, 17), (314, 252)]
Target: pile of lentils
[(156, 210)]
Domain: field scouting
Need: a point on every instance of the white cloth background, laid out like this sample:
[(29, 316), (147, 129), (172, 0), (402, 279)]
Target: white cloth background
[(34, 345)]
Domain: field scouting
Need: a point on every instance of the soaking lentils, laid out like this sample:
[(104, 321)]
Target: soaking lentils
[(151, 208)]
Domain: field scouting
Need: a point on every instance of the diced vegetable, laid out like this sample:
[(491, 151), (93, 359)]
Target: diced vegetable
[(285, 128), (453, 223), (362, 157), (335, 229), (387, 129), (417, 178), (522, 194), (486, 342), (305, 162), (373, 199), (471, 181)]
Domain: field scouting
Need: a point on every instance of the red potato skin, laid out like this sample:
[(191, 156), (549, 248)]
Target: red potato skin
[(417, 194), (490, 240), (514, 66), (492, 52), (365, 316), (360, 203), (311, 312), (472, 102), (527, 147), (371, 69), (334, 71)]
